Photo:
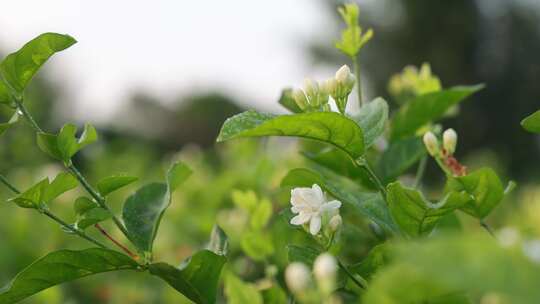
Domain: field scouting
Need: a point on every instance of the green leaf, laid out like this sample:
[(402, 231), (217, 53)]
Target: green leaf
[(372, 119), (63, 182), (197, 278), (18, 68), (303, 254), (4, 93), (142, 212), (239, 292), (33, 197), (427, 108), (246, 200), (63, 266), (48, 143), (83, 204), (178, 174), (287, 101), (274, 295), (531, 123), (399, 157), (340, 163), (88, 136), (257, 245), (261, 215), (110, 184), (376, 258), (66, 141), (484, 186), (328, 127), (455, 264), (92, 217), (219, 243), (369, 204), (417, 216), (4, 126)]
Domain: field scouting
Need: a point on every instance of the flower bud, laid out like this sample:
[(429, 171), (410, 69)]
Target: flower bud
[(431, 143), (335, 222), (325, 270), (297, 277), (310, 87), (300, 99), (450, 141), (342, 75)]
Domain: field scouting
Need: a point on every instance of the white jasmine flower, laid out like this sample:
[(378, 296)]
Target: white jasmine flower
[(310, 205), (342, 75), (335, 222), (297, 277)]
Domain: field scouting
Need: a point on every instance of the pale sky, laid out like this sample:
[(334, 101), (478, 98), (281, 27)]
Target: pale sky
[(250, 49)]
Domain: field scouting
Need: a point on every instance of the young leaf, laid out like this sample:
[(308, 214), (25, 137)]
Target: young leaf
[(83, 204), (328, 127), (66, 141), (88, 136), (399, 157), (368, 204), (485, 187), (177, 175), (239, 292), (197, 278), (142, 212), (219, 242), (63, 266), (257, 245), (261, 215), (18, 68), (110, 184), (372, 119), (48, 143), (33, 197), (415, 215), (531, 123), (4, 126), (63, 182), (426, 108), (287, 101), (92, 217)]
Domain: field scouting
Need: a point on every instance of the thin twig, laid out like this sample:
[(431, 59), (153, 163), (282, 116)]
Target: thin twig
[(117, 243), (356, 68), (487, 228), (355, 280)]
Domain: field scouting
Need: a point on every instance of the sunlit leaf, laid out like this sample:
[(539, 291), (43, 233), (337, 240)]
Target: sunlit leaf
[(33, 197), (18, 68), (261, 214), (197, 278), (63, 266), (177, 174), (532, 122), (427, 108), (62, 182), (484, 186), (328, 127), (48, 143), (257, 245), (417, 216), (239, 292)]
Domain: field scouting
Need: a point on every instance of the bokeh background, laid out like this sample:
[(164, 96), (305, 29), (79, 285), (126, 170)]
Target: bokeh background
[(159, 78)]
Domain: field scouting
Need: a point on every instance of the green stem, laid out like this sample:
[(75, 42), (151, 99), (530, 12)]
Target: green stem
[(8, 184), (356, 69), (372, 176), (353, 278), (420, 171), (100, 200), (487, 227), (55, 218)]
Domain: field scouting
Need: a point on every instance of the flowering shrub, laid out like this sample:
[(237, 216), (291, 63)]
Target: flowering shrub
[(351, 186)]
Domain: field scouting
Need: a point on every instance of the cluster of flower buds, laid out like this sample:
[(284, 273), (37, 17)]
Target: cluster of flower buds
[(413, 82), (445, 154), (340, 86), (299, 280), (314, 96)]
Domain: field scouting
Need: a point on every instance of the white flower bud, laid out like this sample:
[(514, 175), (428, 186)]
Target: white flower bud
[(335, 222), (329, 86), (342, 75), (450, 141), (300, 98), (431, 143), (310, 87), (325, 270), (297, 277)]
